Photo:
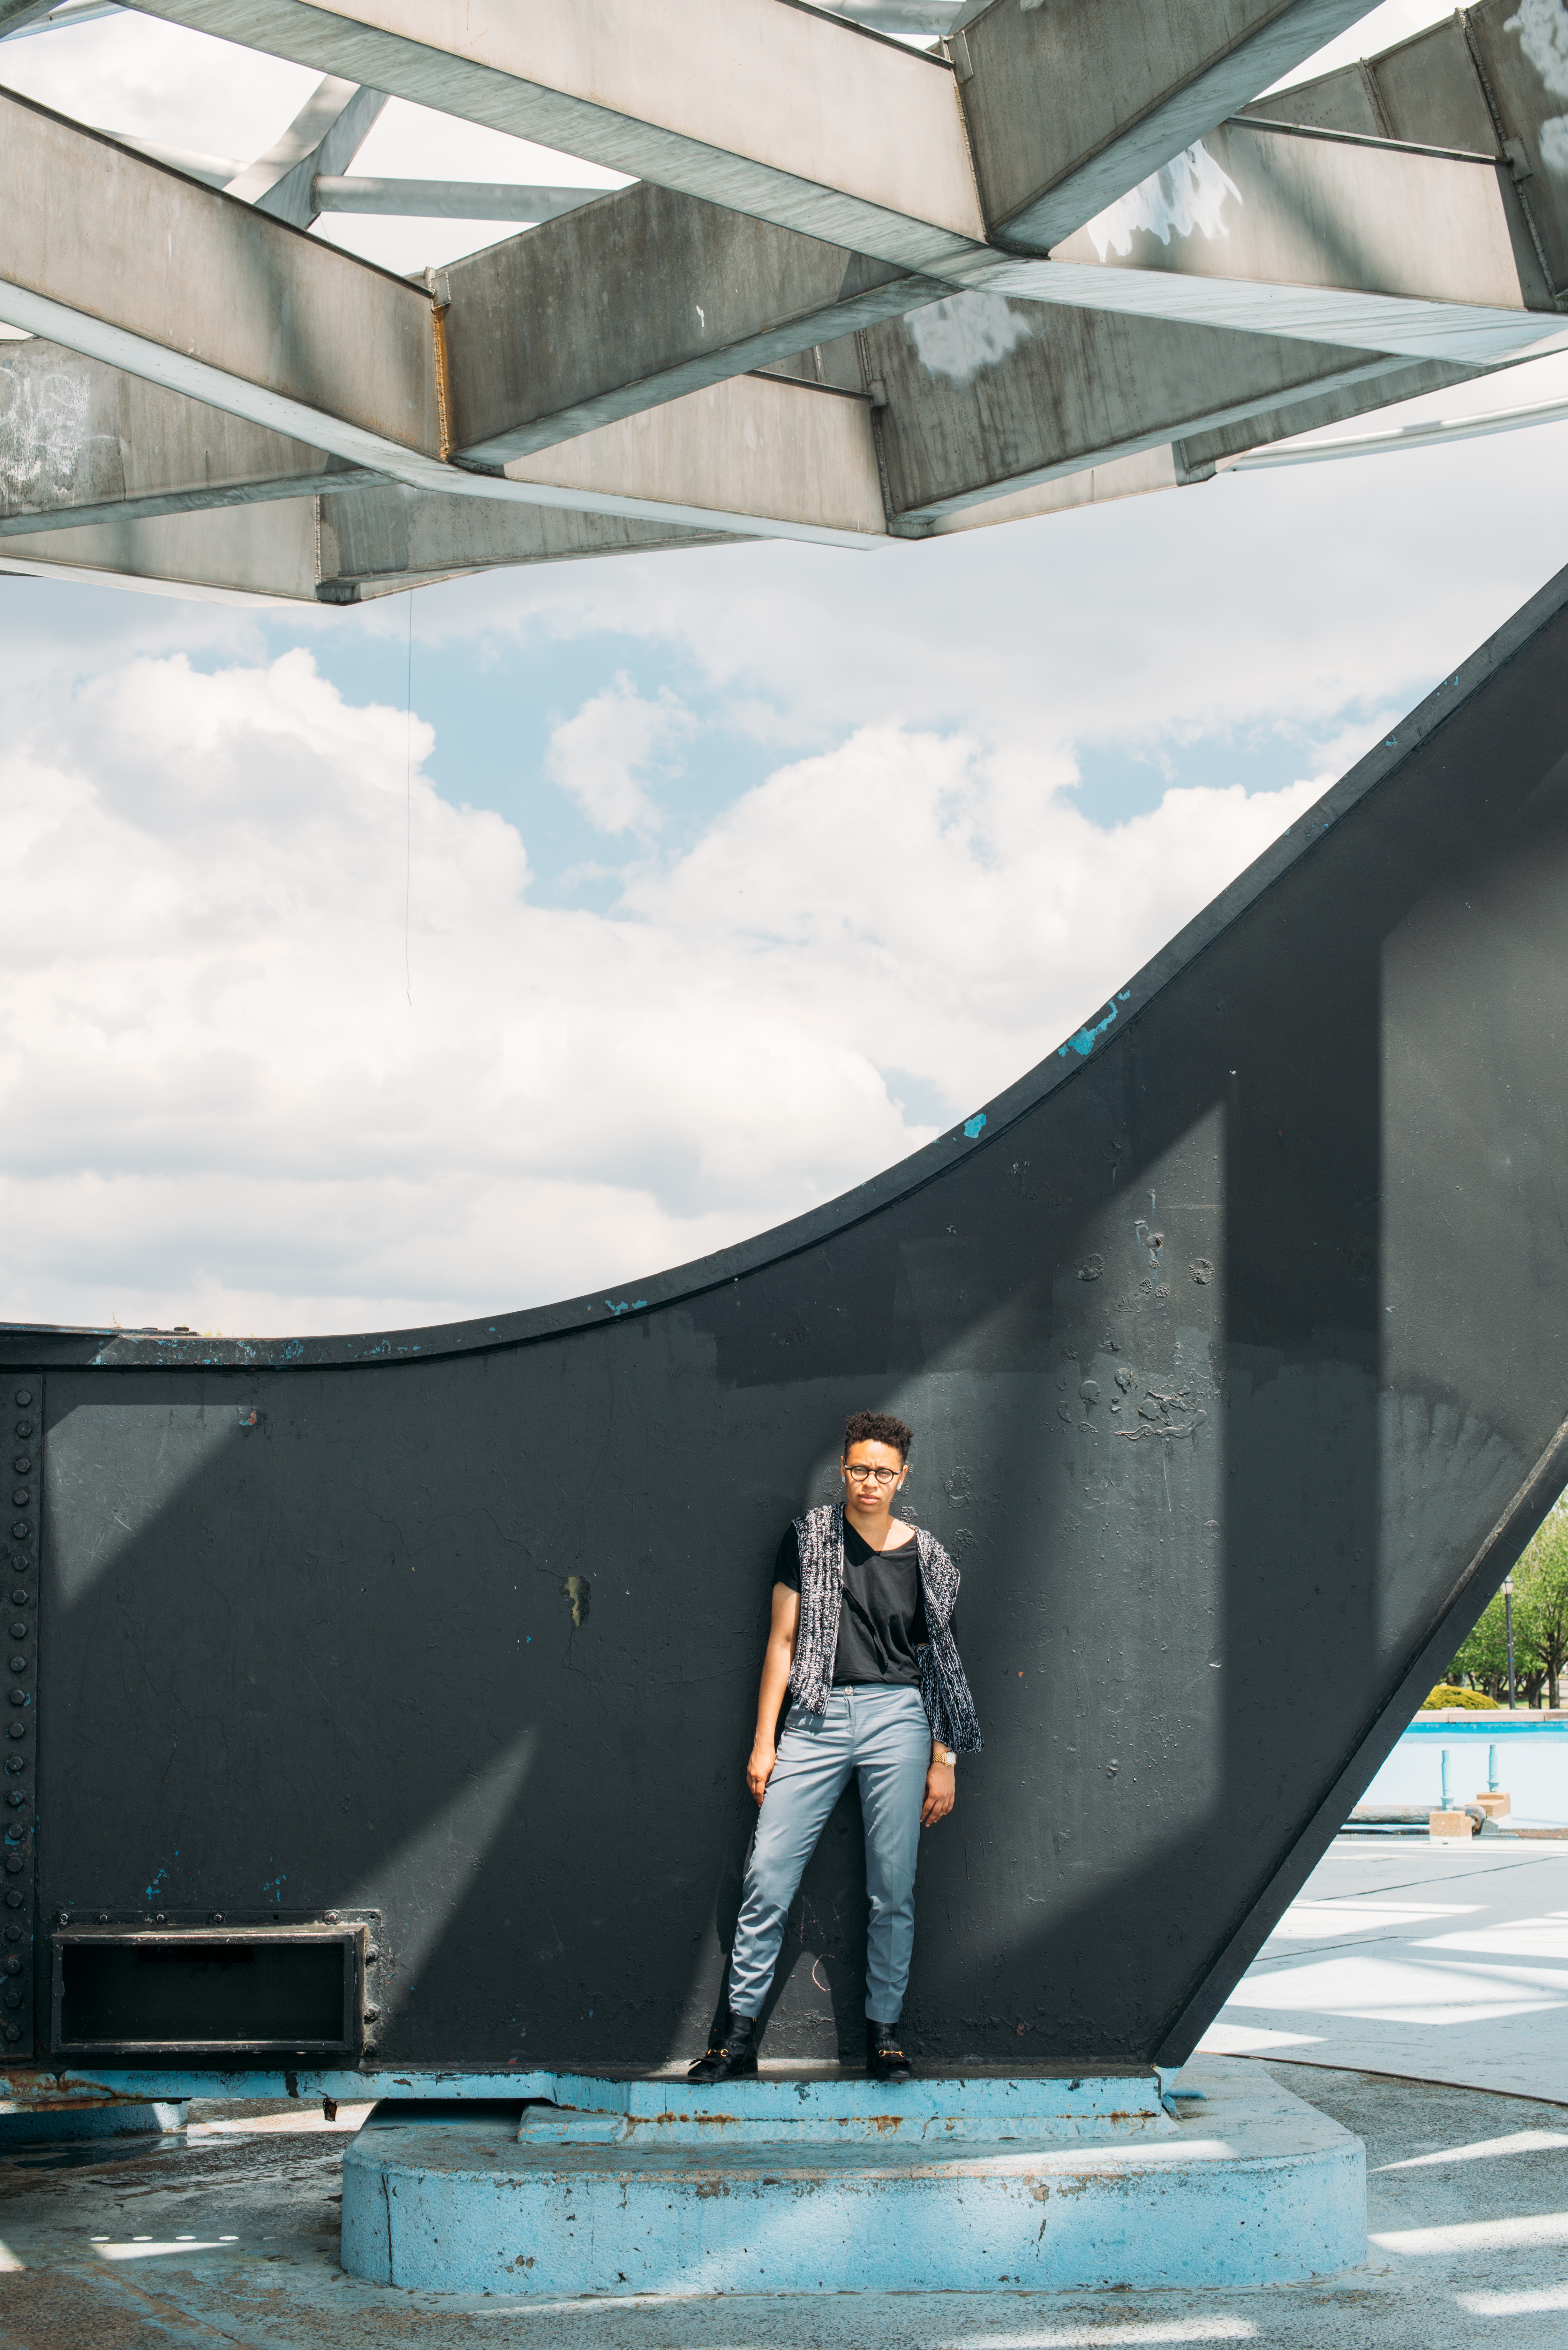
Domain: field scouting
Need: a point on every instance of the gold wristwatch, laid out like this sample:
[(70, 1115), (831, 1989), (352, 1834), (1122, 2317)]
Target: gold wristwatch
[(944, 1754)]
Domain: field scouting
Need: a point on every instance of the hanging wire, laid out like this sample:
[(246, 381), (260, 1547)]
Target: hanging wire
[(408, 801)]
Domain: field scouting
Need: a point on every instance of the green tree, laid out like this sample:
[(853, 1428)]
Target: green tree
[(1539, 1622), (1482, 1662), (1541, 1597)]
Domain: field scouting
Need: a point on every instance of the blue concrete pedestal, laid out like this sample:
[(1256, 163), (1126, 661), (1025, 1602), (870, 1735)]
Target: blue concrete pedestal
[(805, 2184)]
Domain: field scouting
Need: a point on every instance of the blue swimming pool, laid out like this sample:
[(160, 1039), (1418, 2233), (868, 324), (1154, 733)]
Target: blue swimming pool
[(1531, 1763)]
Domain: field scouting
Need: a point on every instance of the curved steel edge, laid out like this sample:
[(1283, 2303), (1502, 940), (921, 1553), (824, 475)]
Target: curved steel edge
[(43, 1346)]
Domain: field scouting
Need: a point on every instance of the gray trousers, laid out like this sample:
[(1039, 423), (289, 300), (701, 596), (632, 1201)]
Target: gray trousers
[(881, 1734)]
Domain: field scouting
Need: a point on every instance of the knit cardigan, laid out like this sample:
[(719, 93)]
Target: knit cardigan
[(944, 1690)]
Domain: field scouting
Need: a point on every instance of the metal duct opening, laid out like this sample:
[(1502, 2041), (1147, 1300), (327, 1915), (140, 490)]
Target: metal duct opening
[(251, 1990)]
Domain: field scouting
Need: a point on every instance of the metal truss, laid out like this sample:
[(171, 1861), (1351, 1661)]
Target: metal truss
[(858, 290)]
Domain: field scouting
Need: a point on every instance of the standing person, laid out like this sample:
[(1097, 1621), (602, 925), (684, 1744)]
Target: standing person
[(862, 1642)]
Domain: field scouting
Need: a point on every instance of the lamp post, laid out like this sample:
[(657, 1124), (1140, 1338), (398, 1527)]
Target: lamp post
[(1508, 1617)]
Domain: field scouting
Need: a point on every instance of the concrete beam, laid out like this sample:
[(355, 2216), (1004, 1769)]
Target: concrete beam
[(812, 122), (1311, 234), (1092, 486), (376, 540), (240, 312), (20, 19), (987, 398), (485, 200), (346, 548), (680, 295), (792, 116), (142, 269), (1069, 105), (1199, 453), (321, 142), (757, 447), (81, 442), (249, 555), (16, 15), (1488, 78)]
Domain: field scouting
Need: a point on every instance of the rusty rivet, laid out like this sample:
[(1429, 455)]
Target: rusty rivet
[(18, 1697), (21, 1497), (21, 1529), (13, 1966), (22, 1463), (19, 1596), (20, 1631)]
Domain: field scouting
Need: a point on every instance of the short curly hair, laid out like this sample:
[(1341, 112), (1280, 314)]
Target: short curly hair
[(877, 1428)]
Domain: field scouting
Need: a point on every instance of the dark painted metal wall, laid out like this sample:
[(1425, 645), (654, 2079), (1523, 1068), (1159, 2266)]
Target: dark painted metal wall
[(1237, 1346)]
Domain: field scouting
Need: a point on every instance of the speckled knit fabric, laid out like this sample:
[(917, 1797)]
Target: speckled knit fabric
[(945, 1692)]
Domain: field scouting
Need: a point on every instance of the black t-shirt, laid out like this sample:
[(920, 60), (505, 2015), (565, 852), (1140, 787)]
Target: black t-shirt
[(882, 1620)]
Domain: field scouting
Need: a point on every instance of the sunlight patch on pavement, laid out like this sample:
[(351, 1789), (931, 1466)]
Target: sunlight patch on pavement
[(349, 2119), (149, 2248), (1521, 2235), (1517, 2142), (1224, 2038), (1536, 2302), (1311, 1920), (1524, 1937), (1404, 1991)]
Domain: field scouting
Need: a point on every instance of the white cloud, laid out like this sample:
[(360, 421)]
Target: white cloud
[(603, 755), (223, 1109)]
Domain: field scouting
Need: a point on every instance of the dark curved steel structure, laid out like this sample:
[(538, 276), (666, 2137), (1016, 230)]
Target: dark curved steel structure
[(1236, 1339)]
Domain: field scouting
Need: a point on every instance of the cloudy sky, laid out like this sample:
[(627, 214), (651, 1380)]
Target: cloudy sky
[(684, 891)]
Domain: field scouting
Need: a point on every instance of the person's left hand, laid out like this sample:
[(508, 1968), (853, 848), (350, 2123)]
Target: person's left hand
[(941, 1791)]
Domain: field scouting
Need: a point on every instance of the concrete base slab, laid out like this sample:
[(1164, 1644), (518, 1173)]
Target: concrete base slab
[(1248, 2186)]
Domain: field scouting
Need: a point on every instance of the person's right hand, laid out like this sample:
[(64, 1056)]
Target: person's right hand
[(760, 1769)]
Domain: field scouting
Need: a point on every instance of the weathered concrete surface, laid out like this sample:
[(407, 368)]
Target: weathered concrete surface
[(1250, 2187), (1287, 231), (382, 538), (1145, 83), (222, 304), (986, 397), (755, 452), (262, 552), (252, 2195), (793, 117), (239, 312), (343, 548), (81, 442), (812, 124), (1489, 79), (636, 299)]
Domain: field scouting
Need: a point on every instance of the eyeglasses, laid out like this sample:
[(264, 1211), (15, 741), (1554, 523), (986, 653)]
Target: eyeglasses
[(863, 1476)]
